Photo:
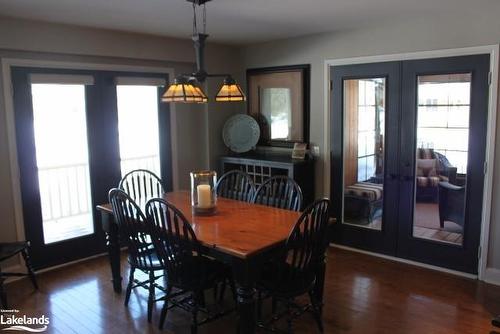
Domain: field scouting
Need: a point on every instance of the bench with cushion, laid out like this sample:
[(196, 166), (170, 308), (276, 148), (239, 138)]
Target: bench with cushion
[(363, 200)]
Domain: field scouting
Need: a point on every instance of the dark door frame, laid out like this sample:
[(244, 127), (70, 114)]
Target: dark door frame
[(104, 160)]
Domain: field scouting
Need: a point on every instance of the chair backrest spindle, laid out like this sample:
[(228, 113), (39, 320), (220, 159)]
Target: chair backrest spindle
[(175, 241), (236, 185), (142, 185), (307, 242), (133, 228), (280, 192)]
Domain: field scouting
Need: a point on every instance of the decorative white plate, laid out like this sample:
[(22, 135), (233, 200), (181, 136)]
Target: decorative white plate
[(241, 133)]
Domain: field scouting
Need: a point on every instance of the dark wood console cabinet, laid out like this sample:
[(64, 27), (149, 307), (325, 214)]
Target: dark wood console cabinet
[(261, 166)]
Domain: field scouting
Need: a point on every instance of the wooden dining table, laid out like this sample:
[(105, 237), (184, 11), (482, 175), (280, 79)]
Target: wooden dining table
[(241, 234)]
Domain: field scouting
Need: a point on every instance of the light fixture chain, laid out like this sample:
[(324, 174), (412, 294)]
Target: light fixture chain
[(195, 28), (204, 18)]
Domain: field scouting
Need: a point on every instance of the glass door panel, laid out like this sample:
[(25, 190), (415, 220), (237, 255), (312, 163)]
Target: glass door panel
[(444, 114), (60, 129), (364, 129), (138, 128), (364, 161), (441, 156)]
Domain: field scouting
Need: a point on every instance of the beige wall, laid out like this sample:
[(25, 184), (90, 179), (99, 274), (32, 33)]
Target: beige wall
[(196, 145), (456, 30)]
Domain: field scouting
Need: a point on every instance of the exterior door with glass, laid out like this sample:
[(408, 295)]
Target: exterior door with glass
[(408, 158), (444, 117), (364, 157), (77, 133)]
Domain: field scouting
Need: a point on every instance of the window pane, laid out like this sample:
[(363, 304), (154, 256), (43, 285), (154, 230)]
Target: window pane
[(441, 164), (60, 127), (138, 128), (364, 128), (458, 116)]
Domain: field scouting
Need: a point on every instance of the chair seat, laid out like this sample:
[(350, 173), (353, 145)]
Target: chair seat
[(10, 249), (155, 262), (271, 281), (202, 274), (428, 181), (368, 190)]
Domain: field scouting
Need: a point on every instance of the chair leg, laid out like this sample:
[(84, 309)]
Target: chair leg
[(130, 284), (259, 306), (3, 296), (29, 267), (289, 318), (194, 313), (164, 309), (151, 297), (274, 305), (216, 291), (201, 299), (316, 310)]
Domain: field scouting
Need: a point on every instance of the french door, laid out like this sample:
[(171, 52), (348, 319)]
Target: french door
[(365, 140), (76, 133), (408, 154)]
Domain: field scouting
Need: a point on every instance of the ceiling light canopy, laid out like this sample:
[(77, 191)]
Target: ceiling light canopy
[(187, 87)]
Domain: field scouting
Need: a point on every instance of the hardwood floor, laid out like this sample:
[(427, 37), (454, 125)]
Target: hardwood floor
[(363, 294)]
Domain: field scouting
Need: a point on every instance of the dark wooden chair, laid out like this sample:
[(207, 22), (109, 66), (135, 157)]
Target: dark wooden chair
[(9, 250), (236, 185), (280, 192), (188, 270), (142, 185), (135, 231), (451, 204), (294, 272)]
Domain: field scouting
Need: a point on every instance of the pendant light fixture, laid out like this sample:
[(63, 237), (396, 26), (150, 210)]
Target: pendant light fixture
[(187, 87)]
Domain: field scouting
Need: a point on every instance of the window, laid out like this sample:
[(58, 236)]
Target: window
[(370, 127), (443, 116), (59, 120), (138, 128)]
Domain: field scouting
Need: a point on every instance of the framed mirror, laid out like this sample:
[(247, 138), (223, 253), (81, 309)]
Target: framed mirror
[(278, 98)]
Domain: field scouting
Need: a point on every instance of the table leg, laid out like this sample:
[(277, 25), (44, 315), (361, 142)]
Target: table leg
[(244, 276), (113, 246)]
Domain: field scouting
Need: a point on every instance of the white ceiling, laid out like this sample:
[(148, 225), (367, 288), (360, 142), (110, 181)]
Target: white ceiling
[(233, 21)]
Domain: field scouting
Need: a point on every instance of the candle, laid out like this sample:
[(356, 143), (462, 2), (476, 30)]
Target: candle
[(204, 196)]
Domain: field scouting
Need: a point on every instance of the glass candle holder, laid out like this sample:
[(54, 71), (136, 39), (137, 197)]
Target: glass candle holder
[(203, 195)]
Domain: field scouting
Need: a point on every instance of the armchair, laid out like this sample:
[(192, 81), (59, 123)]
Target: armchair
[(432, 168), (451, 204)]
